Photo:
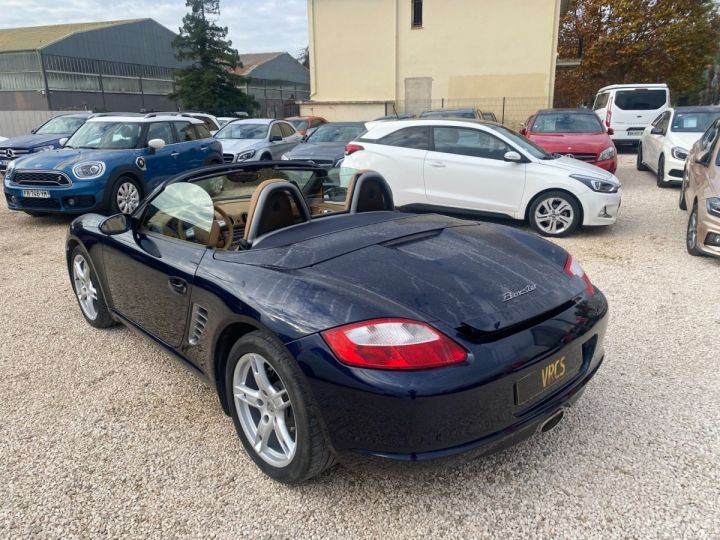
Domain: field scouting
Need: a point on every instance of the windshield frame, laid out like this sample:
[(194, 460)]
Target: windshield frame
[(89, 125), (600, 130), (519, 142), (58, 119), (714, 115), (230, 125), (326, 127)]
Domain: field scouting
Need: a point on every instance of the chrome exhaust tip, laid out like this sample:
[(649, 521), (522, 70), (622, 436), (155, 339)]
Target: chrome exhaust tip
[(551, 422)]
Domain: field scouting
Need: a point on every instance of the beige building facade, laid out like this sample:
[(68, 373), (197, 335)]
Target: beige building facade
[(369, 58)]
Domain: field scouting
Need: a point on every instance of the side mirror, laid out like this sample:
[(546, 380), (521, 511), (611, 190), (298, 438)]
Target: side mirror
[(657, 131), (523, 131), (62, 142), (275, 138), (33, 130), (513, 157), (702, 158), (610, 131), (117, 224), (155, 145)]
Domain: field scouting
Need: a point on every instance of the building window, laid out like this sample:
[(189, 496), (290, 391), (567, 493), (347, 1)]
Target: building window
[(417, 6)]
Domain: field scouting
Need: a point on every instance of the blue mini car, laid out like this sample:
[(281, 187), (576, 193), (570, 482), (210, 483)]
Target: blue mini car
[(45, 137), (109, 164)]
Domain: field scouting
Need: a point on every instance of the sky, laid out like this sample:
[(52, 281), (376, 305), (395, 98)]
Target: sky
[(253, 25)]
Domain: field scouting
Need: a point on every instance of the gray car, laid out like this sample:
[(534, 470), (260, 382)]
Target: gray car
[(257, 139), (326, 145)]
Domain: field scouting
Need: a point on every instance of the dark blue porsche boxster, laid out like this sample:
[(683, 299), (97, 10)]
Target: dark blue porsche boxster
[(332, 325)]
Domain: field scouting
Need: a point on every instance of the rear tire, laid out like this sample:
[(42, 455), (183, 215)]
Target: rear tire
[(691, 237), (639, 165), (555, 214), (281, 405), (661, 173)]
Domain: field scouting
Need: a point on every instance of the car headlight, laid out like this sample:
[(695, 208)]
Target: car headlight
[(607, 153), (245, 155), (10, 168), (89, 170), (44, 148), (713, 206), (679, 153), (597, 184), (284, 157)]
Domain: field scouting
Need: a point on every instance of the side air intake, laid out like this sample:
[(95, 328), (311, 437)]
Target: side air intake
[(197, 324)]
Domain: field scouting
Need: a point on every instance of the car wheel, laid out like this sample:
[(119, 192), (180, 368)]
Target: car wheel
[(661, 172), (692, 234), (683, 204), (555, 213), (266, 157), (639, 160), (125, 196), (271, 408), (87, 291)]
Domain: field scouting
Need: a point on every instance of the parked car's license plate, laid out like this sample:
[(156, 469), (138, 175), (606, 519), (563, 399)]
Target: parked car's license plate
[(550, 375), (35, 194), (635, 133)]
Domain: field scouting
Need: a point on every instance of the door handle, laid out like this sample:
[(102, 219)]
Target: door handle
[(175, 154), (437, 164), (177, 285)]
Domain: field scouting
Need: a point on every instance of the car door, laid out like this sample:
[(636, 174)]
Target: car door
[(465, 168), (291, 138), (188, 153), (275, 138), (655, 141), (160, 164), (699, 166), (150, 269)]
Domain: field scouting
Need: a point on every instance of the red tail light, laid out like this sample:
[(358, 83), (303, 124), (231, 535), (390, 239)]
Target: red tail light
[(608, 116), (352, 148), (573, 269), (396, 344)]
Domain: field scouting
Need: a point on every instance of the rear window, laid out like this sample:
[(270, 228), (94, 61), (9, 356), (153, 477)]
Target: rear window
[(417, 138), (567, 123), (640, 100)]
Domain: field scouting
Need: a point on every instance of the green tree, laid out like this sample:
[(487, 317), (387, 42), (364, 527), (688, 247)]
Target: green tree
[(208, 83), (636, 41)]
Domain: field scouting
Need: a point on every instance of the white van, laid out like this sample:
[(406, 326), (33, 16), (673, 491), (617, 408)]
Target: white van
[(627, 109)]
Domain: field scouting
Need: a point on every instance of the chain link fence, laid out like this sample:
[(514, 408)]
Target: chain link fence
[(510, 111)]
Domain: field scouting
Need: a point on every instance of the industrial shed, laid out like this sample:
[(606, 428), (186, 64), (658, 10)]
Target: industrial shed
[(124, 65)]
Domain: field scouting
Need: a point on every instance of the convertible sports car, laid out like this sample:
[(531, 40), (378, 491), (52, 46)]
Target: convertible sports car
[(333, 326)]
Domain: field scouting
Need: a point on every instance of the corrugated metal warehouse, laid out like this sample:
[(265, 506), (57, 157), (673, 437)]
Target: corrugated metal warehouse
[(102, 66)]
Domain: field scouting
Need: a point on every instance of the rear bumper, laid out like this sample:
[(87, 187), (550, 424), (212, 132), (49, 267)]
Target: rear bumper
[(424, 415)]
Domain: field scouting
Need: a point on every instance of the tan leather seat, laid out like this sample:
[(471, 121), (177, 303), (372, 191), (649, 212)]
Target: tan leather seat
[(274, 205), (368, 192)]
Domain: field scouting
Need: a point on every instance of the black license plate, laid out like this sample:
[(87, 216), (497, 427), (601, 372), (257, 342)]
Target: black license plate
[(548, 376)]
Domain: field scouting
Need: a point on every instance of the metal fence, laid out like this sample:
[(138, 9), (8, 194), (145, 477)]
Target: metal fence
[(276, 99), (510, 111), (14, 123)]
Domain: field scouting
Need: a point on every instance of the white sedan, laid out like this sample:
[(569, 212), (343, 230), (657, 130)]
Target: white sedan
[(665, 143), (488, 169)]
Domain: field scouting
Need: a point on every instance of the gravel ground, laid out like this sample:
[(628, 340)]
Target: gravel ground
[(101, 434)]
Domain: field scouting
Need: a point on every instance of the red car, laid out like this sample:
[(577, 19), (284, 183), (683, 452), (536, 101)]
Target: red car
[(575, 133)]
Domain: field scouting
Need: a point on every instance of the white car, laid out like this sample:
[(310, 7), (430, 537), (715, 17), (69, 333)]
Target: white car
[(486, 168), (3, 138), (257, 139), (627, 109), (665, 143)]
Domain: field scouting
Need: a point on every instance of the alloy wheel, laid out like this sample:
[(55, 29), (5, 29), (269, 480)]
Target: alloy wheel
[(554, 215), (128, 197), (84, 288), (264, 410)]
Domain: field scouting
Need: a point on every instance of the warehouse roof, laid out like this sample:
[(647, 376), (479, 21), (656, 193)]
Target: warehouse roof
[(253, 60), (37, 37)]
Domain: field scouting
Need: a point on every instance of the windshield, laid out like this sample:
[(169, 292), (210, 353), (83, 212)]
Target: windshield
[(525, 144), (61, 125), (237, 130), (338, 134), (693, 121), (106, 135), (299, 124), (564, 122), (640, 100)]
